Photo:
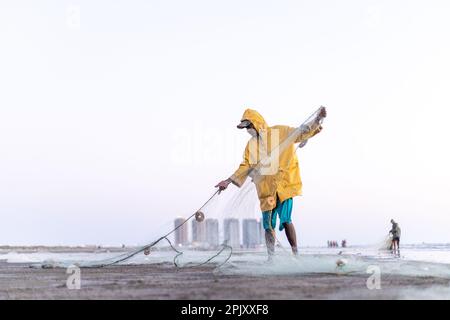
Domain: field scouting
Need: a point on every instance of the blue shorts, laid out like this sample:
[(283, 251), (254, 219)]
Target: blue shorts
[(283, 210)]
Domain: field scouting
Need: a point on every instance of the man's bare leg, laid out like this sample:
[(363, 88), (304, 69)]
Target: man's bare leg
[(397, 248), (270, 243), (394, 247), (291, 236)]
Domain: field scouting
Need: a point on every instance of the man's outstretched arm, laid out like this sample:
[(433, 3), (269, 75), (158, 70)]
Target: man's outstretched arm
[(313, 129)]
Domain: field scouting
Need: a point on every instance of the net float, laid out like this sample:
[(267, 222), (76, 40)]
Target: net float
[(199, 216)]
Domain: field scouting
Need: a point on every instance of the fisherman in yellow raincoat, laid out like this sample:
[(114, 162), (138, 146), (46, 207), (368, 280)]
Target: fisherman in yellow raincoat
[(279, 180)]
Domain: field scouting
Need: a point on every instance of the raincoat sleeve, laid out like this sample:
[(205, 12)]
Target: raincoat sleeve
[(238, 178), (306, 135)]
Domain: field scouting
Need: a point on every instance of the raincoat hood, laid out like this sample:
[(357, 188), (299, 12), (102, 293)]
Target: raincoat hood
[(256, 119)]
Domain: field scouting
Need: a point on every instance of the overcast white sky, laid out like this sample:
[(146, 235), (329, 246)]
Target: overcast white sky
[(114, 124)]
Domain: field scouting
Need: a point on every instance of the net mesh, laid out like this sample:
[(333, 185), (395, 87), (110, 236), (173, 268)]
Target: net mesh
[(229, 209)]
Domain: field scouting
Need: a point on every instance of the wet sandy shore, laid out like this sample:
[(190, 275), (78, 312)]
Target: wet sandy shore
[(164, 281)]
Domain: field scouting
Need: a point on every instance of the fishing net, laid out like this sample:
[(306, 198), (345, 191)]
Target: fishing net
[(385, 244), (218, 227)]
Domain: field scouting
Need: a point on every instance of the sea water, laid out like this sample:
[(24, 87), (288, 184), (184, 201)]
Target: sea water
[(415, 260)]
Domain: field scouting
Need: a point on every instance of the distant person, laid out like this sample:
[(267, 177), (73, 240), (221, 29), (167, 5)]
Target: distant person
[(275, 189), (396, 233), (344, 243)]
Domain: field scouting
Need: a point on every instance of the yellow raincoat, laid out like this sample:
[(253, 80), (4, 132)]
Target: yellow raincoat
[(284, 182)]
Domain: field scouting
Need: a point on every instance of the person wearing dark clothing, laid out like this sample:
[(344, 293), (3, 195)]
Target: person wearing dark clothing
[(396, 233)]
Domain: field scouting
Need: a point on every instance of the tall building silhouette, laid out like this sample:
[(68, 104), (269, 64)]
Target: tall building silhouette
[(231, 232), (198, 231), (251, 233), (212, 232), (181, 234)]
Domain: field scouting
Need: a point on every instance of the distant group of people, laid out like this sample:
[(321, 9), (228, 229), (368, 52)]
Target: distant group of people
[(332, 244), (335, 244)]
